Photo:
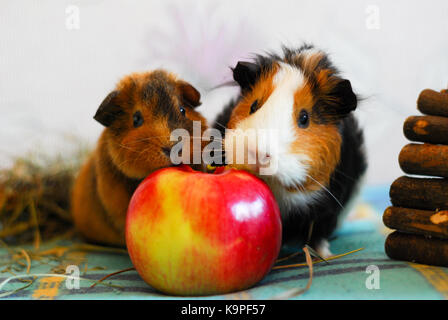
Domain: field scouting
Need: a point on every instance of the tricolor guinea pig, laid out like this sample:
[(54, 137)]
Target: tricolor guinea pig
[(318, 150), (138, 116)]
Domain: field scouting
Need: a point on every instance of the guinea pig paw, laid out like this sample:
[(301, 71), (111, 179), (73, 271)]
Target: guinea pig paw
[(323, 249)]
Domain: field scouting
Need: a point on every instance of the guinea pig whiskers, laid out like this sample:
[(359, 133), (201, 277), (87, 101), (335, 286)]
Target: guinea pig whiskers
[(130, 160), (120, 164), (328, 191), (149, 138), (333, 179), (126, 147), (299, 188), (158, 137), (338, 181)]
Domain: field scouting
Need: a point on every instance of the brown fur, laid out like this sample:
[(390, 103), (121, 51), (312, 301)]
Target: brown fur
[(260, 92), (125, 155), (321, 142)]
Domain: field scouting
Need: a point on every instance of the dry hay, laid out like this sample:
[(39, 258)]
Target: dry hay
[(34, 196)]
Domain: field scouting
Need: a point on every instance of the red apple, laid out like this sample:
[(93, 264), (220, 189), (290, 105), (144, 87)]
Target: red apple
[(194, 233)]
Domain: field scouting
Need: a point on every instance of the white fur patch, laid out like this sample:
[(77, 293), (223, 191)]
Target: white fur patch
[(323, 249), (276, 115), (288, 200)]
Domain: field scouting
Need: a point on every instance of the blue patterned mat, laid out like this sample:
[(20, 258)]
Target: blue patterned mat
[(347, 277)]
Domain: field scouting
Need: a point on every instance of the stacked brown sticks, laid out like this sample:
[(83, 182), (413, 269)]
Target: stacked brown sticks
[(419, 211)]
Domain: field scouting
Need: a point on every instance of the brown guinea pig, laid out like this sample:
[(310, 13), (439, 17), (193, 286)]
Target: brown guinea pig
[(139, 117)]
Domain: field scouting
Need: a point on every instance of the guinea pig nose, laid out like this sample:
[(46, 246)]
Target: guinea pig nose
[(264, 159), (166, 151)]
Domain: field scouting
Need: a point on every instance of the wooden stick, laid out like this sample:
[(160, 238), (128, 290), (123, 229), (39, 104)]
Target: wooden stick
[(424, 222), (424, 159), (433, 103), (431, 129), (416, 248), (420, 193)]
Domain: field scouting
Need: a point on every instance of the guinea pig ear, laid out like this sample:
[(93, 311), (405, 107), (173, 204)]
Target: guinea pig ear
[(245, 74), (108, 110), (189, 93), (347, 99)]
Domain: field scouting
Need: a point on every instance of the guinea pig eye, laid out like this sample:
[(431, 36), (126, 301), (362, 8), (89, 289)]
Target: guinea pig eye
[(304, 119), (253, 107), (138, 119), (182, 110)]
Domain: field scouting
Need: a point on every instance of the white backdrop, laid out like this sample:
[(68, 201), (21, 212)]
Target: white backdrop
[(59, 59)]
